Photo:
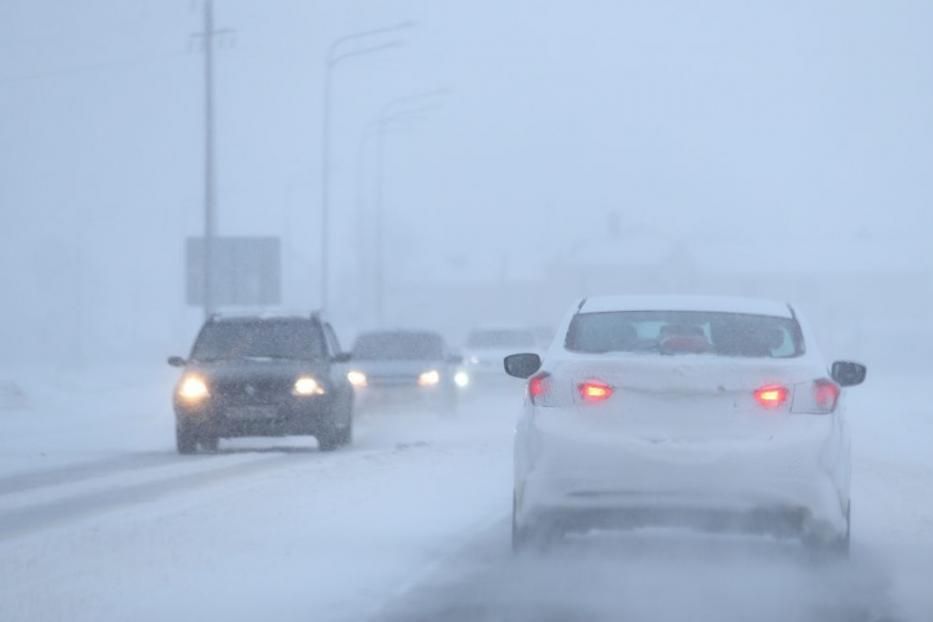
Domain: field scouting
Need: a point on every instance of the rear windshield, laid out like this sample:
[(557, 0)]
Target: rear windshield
[(501, 339), (399, 346), (283, 339), (686, 332)]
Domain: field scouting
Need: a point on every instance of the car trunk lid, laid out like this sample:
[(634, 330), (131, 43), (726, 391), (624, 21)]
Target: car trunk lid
[(681, 398)]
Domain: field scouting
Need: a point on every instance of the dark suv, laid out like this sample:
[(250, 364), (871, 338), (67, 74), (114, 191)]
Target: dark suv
[(263, 376)]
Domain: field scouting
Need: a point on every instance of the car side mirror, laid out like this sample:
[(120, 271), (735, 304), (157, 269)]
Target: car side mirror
[(523, 365), (177, 361), (342, 357), (848, 374)]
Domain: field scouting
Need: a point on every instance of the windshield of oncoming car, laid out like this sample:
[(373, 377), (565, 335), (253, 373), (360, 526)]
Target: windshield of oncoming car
[(411, 346), (686, 332), (285, 339)]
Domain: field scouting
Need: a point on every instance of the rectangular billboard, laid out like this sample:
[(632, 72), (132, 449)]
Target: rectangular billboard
[(246, 271)]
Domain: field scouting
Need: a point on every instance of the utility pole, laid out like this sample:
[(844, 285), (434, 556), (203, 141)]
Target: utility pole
[(207, 36), (209, 216)]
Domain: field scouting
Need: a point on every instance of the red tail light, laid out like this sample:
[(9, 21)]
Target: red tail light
[(772, 396), (595, 391), (538, 387), (825, 395)]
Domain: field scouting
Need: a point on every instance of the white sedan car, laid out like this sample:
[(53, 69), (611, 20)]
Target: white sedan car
[(698, 412)]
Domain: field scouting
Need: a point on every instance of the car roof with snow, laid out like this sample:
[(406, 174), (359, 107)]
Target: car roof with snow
[(247, 315), (720, 304)]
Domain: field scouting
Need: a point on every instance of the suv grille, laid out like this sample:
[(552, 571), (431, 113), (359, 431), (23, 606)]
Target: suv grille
[(251, 391)]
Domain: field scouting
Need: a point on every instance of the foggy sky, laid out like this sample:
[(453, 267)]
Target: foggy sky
[(802, 123)]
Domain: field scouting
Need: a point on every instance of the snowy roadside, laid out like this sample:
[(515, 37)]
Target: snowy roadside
[(892, 486), (70, 416), (326, 535)]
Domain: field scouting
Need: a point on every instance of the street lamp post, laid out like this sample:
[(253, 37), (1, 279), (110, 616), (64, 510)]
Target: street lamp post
[(393, 111), (365, 253), (336, 55)]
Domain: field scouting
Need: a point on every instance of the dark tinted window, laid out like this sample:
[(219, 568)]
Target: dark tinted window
[(686, 332), (399, 346), (501, 339), (289, 339)]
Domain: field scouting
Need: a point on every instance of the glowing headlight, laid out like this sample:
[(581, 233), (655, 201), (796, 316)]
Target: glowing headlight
[(357, 378), (193, 389), (306, 385), (461, 379), (429, 378)]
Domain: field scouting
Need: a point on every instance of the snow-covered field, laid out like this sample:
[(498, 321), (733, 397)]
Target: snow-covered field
[(101, 520)]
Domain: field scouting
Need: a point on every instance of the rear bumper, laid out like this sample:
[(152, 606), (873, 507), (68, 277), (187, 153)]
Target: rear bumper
[(297, 416), (797, 483)]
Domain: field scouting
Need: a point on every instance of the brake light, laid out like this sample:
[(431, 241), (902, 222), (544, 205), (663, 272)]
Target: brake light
[(538, 387), (772, 396), (594, 391), (826, 394), (819, 398)]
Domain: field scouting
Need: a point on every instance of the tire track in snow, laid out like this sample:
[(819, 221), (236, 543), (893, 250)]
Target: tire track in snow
[(69, 506), (660, 577), (83, 471)]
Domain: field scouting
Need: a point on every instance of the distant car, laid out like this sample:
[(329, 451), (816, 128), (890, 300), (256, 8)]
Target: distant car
[(486, 347), (714, 413), (263, 376), (404, 366)]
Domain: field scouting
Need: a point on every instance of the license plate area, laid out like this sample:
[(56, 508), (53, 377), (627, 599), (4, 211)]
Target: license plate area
[(247, 413)]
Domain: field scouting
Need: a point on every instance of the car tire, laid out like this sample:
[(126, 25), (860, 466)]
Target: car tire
[(329, 440), (520, 538), (333, 435), (346, 434), (209, 443), (834, 547), (185, 440), (843, 545), (530, 537)]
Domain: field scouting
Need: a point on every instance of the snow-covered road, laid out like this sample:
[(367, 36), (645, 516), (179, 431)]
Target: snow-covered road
[(100, 520)]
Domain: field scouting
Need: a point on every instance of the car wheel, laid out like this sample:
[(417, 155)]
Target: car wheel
[(833, 547), (346, 434), (329, 440), (843, 544), (209, 443), (185, 440), (529, 537), (520, 539)]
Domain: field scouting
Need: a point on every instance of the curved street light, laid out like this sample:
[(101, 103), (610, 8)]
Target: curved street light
[(395, 110), (336, 55)]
